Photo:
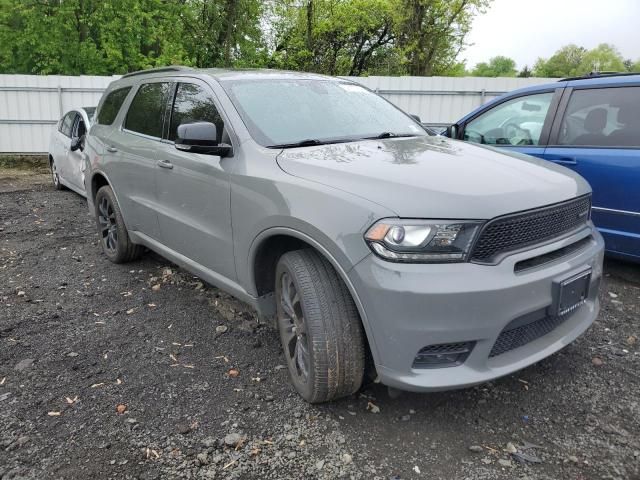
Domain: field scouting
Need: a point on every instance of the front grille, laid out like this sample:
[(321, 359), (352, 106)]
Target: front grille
[(514, 337), (519, 230)]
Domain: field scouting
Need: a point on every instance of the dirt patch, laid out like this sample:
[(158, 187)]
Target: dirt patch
[(120, 371)]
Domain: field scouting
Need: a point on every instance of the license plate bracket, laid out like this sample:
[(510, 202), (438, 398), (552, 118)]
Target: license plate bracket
[(571, 293)]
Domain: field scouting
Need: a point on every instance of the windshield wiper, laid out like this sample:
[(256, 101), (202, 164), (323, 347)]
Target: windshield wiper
[(391, 135), (310, 142)]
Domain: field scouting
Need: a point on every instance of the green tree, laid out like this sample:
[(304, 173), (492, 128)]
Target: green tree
[(497, 67), (432, 32), (564, 63), (117, 36), (603, 58), (572, 60), (338, 37), (525, 72)]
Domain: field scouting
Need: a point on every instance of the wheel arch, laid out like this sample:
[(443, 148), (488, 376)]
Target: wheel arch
[(271, 244), (98, 180)]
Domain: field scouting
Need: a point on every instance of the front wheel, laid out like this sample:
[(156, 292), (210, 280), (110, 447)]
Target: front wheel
[(114, 238), (319, 326)]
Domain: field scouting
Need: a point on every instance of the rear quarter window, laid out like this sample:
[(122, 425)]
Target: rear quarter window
[(111, 106)]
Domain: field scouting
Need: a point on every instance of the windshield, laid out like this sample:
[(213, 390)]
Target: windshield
[(288, 112)]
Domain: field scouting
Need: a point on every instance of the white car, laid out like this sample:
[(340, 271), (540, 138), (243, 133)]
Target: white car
[(65, 150)]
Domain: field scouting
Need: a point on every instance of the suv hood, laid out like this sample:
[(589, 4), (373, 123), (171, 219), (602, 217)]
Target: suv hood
[(435, 177)]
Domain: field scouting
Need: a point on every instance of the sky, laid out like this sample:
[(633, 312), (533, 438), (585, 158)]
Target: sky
[(525, 30)]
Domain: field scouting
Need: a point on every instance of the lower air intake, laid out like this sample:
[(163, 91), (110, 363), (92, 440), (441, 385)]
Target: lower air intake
[(443, 355)]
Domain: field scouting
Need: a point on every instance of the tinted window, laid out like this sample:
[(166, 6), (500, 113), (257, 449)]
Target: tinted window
[(283, 111), (67, 123), (79, 128), (111, 106), (194, 104), (602, 117), (514, 122), (146, 113)]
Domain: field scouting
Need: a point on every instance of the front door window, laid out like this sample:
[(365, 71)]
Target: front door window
[(515, 122)]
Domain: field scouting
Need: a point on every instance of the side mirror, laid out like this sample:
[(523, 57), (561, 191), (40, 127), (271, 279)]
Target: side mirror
[(76, 144), (451, 131), (416, 117), (201, 137)]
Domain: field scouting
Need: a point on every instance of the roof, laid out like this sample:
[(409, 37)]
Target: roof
[(226, 73)]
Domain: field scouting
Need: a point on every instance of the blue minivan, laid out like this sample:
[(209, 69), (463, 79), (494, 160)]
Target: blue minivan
[(588, 124)]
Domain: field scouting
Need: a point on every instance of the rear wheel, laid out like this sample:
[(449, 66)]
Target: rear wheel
[(319, 327), (55, 177), (114, 238)]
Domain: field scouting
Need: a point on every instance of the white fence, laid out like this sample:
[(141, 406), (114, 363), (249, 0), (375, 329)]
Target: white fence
[(30, 105)]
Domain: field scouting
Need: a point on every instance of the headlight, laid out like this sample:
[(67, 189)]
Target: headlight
[(434, 241)]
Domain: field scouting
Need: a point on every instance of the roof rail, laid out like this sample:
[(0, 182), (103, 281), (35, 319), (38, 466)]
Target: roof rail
[(172, 68), (599, 75)]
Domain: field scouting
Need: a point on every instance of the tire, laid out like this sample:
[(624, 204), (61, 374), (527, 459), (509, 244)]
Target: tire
[(114, 238), (327, 339), (55, 177)]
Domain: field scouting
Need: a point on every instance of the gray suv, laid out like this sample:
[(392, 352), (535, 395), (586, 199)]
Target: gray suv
[(379, 249)]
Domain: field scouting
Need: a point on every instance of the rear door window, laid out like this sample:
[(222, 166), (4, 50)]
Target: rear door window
[(67, 123), (111, 106), (147, 110), (602, 117), (194, 103)]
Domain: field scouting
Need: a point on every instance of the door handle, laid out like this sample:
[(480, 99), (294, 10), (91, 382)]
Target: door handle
[(565, 161), (112, 149), (165, 164)]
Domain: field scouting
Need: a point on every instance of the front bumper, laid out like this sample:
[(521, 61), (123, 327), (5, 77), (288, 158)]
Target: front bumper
[(410, 306)]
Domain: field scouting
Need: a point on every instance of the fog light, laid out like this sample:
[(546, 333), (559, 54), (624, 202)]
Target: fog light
[(443, 355)]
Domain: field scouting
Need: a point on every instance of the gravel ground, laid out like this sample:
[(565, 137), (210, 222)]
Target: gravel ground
[(141, 371)]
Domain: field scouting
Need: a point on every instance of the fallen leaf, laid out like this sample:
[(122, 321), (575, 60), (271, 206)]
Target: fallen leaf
[(71, 401), (121, 408), (373, 408), (233, 372), (130, 311), (155, 287), (54, 414)]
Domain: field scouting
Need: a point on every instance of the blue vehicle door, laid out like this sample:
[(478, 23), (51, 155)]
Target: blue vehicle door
[(519, 123), (597, 134)]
